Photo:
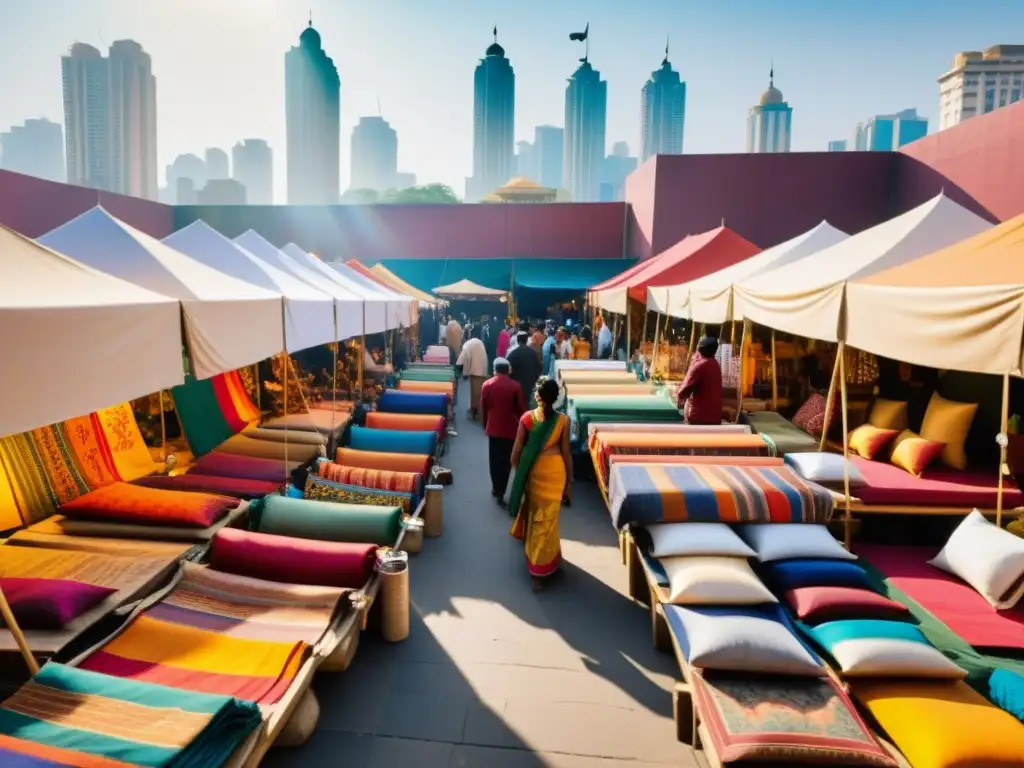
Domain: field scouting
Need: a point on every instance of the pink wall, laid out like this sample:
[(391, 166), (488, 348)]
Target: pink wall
[(979, 163), (34, 206), (640, 189)]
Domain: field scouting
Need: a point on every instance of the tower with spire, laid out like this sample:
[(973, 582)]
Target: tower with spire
[(662, 112), (494, 108), (770, 121), (586, 114), (313, 122)]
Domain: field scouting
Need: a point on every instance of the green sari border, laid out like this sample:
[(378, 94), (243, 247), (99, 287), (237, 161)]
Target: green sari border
[(534, 445)]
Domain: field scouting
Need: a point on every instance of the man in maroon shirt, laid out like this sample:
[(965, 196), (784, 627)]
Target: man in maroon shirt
[(701, 393), (501, 406)]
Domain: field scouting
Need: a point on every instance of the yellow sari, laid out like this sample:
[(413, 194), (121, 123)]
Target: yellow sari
[(537, 493)]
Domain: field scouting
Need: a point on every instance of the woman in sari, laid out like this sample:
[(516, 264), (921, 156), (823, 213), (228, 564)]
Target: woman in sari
[(543, 479)]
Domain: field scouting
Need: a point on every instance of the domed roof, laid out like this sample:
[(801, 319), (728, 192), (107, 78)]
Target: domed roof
[(310, 37), (495, 50), (772, 96), (522, 182)]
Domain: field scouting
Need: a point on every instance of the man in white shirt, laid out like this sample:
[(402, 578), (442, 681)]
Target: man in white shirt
[(473, 359), (604, 342)]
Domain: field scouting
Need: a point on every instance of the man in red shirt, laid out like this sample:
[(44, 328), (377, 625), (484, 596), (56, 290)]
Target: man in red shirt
[(501, 406), (700, 397)]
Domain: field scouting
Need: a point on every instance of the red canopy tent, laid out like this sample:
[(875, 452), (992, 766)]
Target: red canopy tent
[(626, 274), (692, 257)]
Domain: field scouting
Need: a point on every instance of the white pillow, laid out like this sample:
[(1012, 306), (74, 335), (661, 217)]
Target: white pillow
[(783, 541), (714, 581), (744, 641), (886, 657), (674, 539), (988, 558)]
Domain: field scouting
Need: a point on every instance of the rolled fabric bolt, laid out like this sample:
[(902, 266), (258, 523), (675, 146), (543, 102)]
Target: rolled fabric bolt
[(394, 589), (433, 522)]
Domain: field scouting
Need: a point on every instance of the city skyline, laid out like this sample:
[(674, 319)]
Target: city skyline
[(419, 64)]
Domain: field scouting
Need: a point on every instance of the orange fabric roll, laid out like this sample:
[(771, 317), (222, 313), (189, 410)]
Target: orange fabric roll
[(395, 462), (576, 390), (734, 461), (441, 387), (407, 422), (679, 440)]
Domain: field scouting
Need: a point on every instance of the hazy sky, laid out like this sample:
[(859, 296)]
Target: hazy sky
[(219, 64)]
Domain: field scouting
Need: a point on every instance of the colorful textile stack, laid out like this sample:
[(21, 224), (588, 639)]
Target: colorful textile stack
[(429, 403), (392, 441), (383, 479), (437, 354), (72, 717)]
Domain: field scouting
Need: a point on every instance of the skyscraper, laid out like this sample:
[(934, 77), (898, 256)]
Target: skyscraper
[(494, 103), (188, 166), (770, 123), (838, 145), (253, 164), (616, 167), (662, 112), (374, 155), (525, 165), (887, 133), (586, 111), (217, 166), (312, 106), (110, 118), (979, 82), (548, 147), (35, 148)]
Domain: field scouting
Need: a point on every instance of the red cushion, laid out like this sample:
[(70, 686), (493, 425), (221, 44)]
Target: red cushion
[(938, 487), (127, 503), (247, 467), (50, 603), (811, 416), (236, 487), (816, 605), (292, 561)]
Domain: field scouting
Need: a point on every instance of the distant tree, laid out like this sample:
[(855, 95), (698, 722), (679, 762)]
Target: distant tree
[(360, 197), (423, 195)]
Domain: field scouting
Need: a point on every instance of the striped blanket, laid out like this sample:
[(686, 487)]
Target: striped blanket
[(702, 493), (223, 634), (70, 717)]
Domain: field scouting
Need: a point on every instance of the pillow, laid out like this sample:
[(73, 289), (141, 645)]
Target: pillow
[(878, 648), (324, 490), (784, 541), (794, 574), (824, 469), (948, 422), (714, 581), (988, 558), (942, 724), (913, 453), (888, 414), (816, 605), (674, 539), (747, 639), (50, 603), (126, 503), (811, 416), (866, 441)]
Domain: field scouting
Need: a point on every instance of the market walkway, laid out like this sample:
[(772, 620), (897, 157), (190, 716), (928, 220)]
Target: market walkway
[(494, 675)]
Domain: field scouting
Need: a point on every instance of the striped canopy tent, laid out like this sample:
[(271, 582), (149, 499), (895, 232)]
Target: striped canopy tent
[(396, 283), (467, 289)]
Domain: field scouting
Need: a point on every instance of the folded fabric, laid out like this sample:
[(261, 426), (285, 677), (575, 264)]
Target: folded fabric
[(127, 503), (783, 542), (246, 467), (50, 603), (1006, 690), (243, 445), (879, 648), (321, 489), (395, 462), (74, 717), (998, 575), (383, 479), (293, 561), (200, 414), (410, 422), (124, 438), (677, 539), (793, 574), (392, 440), (395, 401), (294, 436), (326, 520), (233, 415), (816, 605), (235, 487)]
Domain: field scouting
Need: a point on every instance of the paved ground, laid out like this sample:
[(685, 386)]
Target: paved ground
[(494, 675)]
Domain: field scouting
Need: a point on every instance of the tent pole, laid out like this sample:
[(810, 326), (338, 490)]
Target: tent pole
[(334, 371), (846, 447), (689, 347), (163, 428), (831, 399), (775, 381), (643, 333), (657, 344), (629, 326), (732, 333), (1003, 470), (287, 375), (19, 636), (739, 383), (256, 378)]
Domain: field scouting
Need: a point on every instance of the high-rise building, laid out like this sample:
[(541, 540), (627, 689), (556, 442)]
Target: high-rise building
[(110, 118), (191, 167), (859, 140), (374, 155), (494, 107), (979, 82), (312, 106), (887, 133), (35, 148), (616, 167), (404, 180), (222, 192), (586, 111), (662, 112), (839, 145), (770, 123), (548, 150), (525, 160), (217, 166), (253, 165)]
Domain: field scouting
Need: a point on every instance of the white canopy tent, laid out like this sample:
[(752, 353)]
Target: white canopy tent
[(119, 341), (229, 323), (467, 289), (709, 299), (308, 313), (399, 305), (807, 297)]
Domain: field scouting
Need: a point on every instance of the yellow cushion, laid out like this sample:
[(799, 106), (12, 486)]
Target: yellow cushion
[(913, 453), (942, 724), (866, 441), (947, 421), (888, 414)]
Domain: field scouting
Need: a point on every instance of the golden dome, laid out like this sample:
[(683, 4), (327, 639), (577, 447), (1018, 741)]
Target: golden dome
[(772, 96), (522, 182)]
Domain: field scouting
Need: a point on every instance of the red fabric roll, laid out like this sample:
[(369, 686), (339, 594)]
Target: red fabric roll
[(227, 405), (245, 467), (406, 422), (236, 487), (291, 560), (395, 462)]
